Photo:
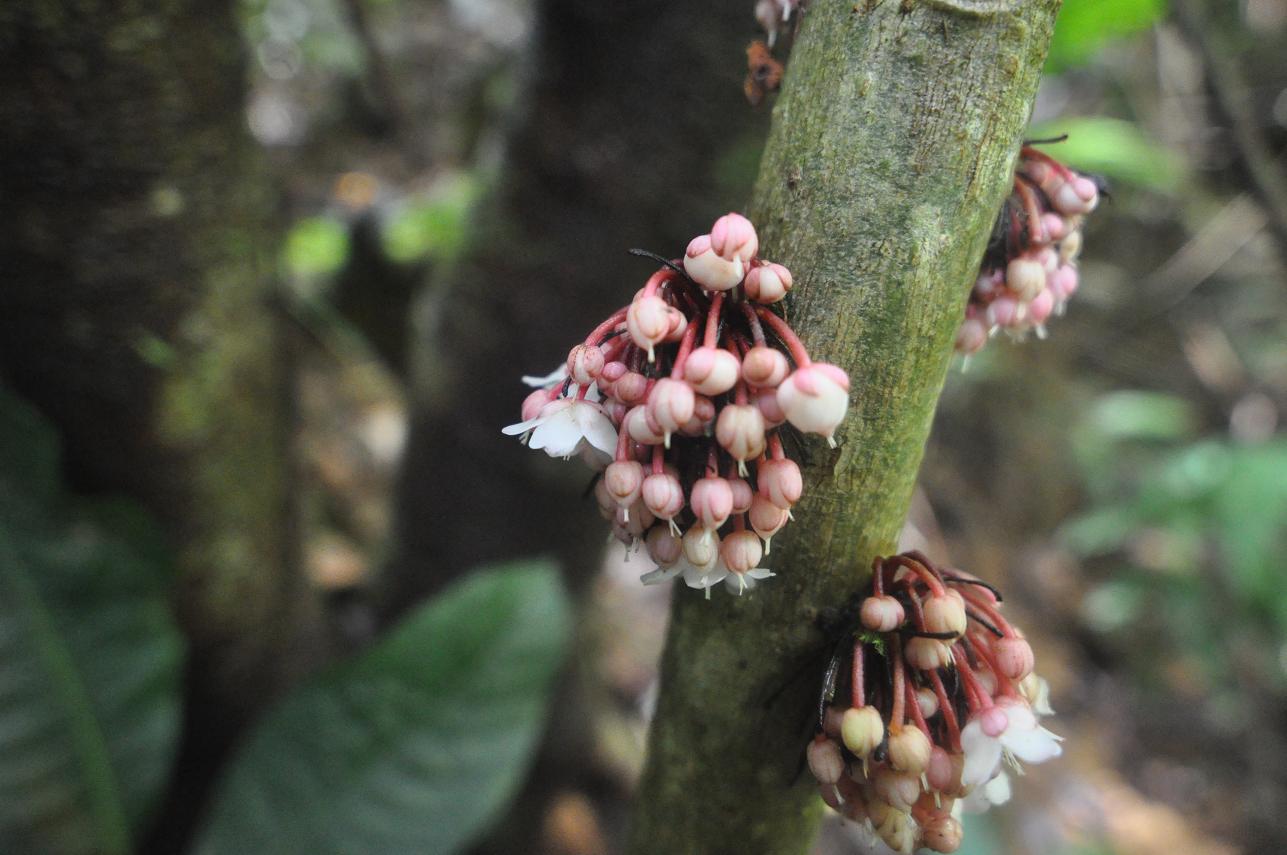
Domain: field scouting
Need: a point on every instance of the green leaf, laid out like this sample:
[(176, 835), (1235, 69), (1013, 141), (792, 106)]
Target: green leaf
[(413, 746), (1116, 149), (316, 246), (1085, 26), (89, 658), (435, 226)]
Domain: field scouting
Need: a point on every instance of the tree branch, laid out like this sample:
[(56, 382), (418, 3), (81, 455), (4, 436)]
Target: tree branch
[(892, 148)]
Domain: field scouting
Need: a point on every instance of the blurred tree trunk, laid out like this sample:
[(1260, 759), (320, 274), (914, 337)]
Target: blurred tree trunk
[(633, 132), (137, 314), (892, 147)]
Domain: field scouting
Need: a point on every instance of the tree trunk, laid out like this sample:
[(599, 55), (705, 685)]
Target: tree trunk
[(892, 147), (137, 314)]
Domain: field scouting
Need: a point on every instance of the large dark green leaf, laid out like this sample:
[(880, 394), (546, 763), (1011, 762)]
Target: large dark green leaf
[(89, 658), (413, 746), (1085, 26)]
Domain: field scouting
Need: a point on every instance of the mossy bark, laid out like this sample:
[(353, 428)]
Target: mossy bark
[(892, 147), (137, 314)]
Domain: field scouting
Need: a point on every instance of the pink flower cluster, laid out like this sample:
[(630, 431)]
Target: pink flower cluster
[(680, 397), (1030, 269), (938, 689)]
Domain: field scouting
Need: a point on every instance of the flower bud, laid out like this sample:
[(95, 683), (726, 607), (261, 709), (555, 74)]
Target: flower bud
[(1003, 312), (815, 398), (971, 335), (1025, 277), (741, 551), (1078, 196), (678, 324), (899, 789), (701, 547), (767, 283), (941, 773), (882, 614), (1041, 307), (766, 518), (927, 654), (941, 833), (740, 430), (624, 479), (611, 373), (607, 504), (927, 701), (945, 612), (585, 362), (825, 760), (663, 495), (642, 427), (711, 501), (534, 403), (780, 482), (663, 546), (764, 366), (705, 267), (1013, 657), (630, 388), (671, 405), (743, 495), (862, 730), (909, 750), (647, 322), (1070, 247), (712, 370), (734, 238)]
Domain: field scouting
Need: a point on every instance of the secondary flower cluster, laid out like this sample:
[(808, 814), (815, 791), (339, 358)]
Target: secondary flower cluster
[(679, 398), (939, 689), (1030, 269)]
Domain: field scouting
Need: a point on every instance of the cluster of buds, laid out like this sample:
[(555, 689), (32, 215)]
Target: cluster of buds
[(679, 398), (1030, 269), (939, 689)]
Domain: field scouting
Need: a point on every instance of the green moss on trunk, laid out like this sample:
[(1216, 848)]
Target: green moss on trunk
[(891, 150)]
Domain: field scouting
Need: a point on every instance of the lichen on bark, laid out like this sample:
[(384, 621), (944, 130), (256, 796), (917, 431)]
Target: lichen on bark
[(892, 147)]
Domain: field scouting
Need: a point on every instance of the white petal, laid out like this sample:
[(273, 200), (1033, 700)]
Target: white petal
[(559, 435), (596, 427), (1031, 746), (761, 573), (661, 574), (554, 378), (982, 755), (521, 427)]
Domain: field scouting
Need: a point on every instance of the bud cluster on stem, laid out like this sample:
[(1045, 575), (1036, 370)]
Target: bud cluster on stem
[(939, 689), (1030, 269), (680, 398)]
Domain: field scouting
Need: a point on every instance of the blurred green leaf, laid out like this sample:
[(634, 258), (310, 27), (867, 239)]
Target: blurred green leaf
[(435, 226), (1142, 415), (1085, 26), (413, 746), (1114, 148), (316, 246), (89, 657)]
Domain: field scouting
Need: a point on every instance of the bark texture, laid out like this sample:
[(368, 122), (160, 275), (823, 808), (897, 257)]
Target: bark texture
[(137, 314), (892, 147)]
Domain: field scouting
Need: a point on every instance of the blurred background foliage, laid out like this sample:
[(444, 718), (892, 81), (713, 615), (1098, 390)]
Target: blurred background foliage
[(1125, 481)]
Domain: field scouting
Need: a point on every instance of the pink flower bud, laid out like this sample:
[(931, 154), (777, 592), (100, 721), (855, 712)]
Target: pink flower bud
[(741, 551), (825, 760), (1003, 312), (1054, 225), (1014, 657), (630, 388), (712, 370), (663, 495), (678, 324), (585, 361), (909, 750), (862, 730), (663, 546), (767, 283), (1041, 307), (635, 520), (647, 322), (927, 654), (705, 267), (611, 373), (624, 479), (766, 518), (945, 613), (1025, 277), (815, 399), (743, 495), (993, 721), (988, 283), (780, 482), (940, 771), (1070, 247), (1078, 196), (534, 403), (900, 790), (701, 547), (607, 504), (766, 401), (740, 430), (971, 335), (642, 427), (927, 701), (711, 501), (670, 404), (764, 366), (942, 833), (733, 238), (882, 614)]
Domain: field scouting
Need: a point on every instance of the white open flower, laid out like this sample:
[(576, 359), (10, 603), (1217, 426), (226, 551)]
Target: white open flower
[(739, 583), (549, 381), (565, 427), (980, 799), (1022, 738)]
